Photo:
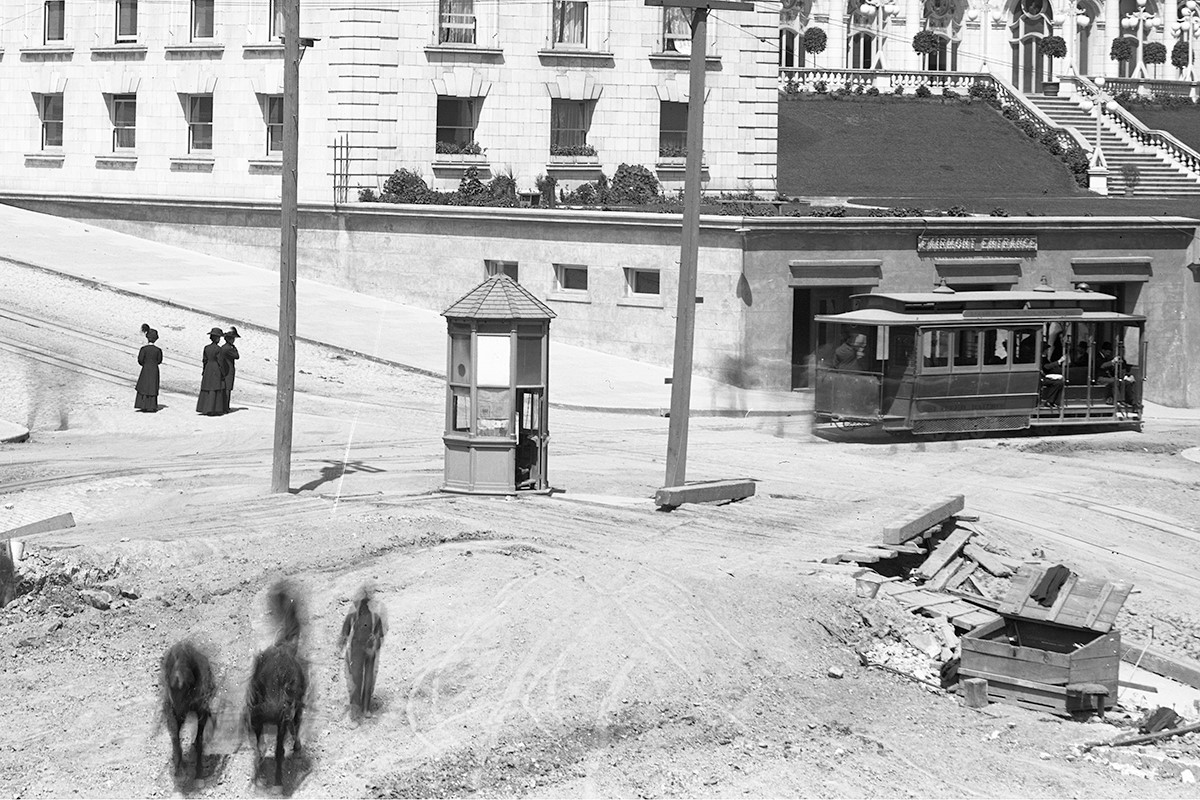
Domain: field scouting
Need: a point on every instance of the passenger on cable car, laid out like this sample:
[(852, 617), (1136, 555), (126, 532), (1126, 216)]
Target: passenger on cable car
[(1052, 377), (850, 354), (1112, 369)]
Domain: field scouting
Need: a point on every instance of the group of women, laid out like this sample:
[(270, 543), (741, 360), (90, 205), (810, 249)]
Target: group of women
[(216, 380)]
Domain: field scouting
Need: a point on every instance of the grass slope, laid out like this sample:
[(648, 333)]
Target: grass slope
[(893, 147), (1184, 123)]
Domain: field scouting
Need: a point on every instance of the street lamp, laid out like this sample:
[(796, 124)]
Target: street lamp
[(1097, 166), (1187, 29), (1142, 22), (879, 13), (973, 15)]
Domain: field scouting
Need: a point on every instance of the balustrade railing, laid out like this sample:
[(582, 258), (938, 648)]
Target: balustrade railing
[(1154, 87), (1183, 155)]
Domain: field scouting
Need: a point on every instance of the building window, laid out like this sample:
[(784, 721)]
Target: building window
[(56, 21), (791, 49), (569, 120), (273, 111), (677, 30), (200, 117), (570, 23), (641, 281), (456, 21), (124, 116), (274, 20), (672, 129), (52, 121), (457, 118), (202, 19), (127, 20), (571, 278), (494, 268)]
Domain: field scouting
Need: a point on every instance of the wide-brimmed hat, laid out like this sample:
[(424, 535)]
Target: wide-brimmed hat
[(232, 333), (216, 332)]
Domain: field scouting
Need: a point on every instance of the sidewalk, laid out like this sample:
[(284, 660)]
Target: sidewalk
[(404, 335)]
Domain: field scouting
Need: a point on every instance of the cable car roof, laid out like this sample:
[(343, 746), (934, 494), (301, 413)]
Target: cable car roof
[(878, 316), (1011, 298)]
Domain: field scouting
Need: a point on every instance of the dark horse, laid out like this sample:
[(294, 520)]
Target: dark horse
[(188, 688), (279, 681)]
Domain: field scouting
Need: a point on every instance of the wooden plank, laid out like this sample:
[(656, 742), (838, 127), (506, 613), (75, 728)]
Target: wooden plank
[(979, 600), (1006, 650), (974, 619), (884, 552), (1013, 668), (940, 578), (1022, 583), (909, 548), (1141, 687), (1177, 668), (56, 523), (1034, 696), (987, 560), (860, 556), (943, 554), (1024, 683), (704, 492), (902, 529), (961, 574)]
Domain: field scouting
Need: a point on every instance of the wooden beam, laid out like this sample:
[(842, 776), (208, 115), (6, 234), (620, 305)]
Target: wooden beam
[(1177, 668), (961, 574), (987, 560), (943, 554), (42, 526), (902, 529), (942, 577), (704, 492)]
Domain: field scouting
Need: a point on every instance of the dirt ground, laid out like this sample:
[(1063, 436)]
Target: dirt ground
[(578, 645)]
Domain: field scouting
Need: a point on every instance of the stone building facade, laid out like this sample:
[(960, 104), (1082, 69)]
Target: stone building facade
[(183, 98)]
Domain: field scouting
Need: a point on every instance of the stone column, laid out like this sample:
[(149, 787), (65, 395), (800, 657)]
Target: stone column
[(1112, 29), (914, 10)]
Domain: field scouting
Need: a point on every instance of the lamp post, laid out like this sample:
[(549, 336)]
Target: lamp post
[(1186, 30), (973, 15), (1097, 166), (879, 13), (1142, 23)]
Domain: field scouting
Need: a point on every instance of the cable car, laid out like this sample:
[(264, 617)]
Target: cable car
[(945, 362)]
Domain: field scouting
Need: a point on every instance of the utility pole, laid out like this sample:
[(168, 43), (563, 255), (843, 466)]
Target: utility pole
[(685, 313), (285, 386)]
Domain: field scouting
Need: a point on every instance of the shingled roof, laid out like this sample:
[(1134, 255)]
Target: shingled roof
[(499, 297)]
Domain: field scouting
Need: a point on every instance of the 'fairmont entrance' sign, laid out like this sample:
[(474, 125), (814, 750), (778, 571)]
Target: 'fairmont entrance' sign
[(976, 244)]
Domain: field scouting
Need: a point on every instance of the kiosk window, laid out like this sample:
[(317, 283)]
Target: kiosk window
[(494, 412), (460, 413), (460, 358)]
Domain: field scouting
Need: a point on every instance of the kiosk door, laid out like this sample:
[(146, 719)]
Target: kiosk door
[(531, 440)]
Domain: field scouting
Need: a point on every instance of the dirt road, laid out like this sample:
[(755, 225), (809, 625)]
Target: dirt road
[(578, 645)]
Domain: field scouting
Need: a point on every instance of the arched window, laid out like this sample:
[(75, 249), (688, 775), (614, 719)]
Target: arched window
[(1031, 21), (944, 58)]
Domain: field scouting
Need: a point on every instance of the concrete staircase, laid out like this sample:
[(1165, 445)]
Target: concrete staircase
[(1160, 175)]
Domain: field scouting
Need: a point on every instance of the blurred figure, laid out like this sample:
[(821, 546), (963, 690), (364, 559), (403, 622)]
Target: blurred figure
[(851, 352), (212, 392), (225, 358), (187, 688), (364, 629), (279, 680), (149, 357)]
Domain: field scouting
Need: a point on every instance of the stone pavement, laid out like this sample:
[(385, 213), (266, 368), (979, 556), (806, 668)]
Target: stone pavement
[(400, 334)]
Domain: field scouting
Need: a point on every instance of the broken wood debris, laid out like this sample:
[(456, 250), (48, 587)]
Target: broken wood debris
[(1150, 737)]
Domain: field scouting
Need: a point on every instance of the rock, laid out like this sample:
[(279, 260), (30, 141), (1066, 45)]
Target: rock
[(131, 594), (925, 643), (836, 672), (1187, 776), (1045, 756), (97, 598), (51, 626)]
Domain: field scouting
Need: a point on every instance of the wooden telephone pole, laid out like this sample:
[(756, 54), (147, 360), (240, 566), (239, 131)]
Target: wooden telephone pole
[(685, 322), (285, 391)]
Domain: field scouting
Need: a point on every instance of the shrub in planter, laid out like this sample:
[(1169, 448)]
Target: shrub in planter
[(859, 89), (1076, 159), (545, 185), (1010, 112), (672, 151), (633, 185), (829, 211), (821, 87), (1123, 49), (872, 91), (898, 91), (925, 42), (815, 40), (405, 186), (791, 87), (1179, 55), (1053, 46), (949, 93), (999, 211), (367, 195), (983, 91), (1154, 53), (1029, 127), (923, 91), (957, 211), (458, 148), (1132, 176), (572, 150)]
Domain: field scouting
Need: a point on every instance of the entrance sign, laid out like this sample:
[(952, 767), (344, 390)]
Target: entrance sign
[(977, 244)]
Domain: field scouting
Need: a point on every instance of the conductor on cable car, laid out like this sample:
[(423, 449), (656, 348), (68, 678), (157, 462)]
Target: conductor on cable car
[(850, 354)]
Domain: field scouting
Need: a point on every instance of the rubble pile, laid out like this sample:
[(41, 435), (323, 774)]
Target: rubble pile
[(64, 585), (915, 646)]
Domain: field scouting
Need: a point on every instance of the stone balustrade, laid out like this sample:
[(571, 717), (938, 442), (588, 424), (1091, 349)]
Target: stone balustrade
[(1162, 141)]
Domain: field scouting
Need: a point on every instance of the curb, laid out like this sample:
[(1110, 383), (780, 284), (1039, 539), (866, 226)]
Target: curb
[(11, 432)]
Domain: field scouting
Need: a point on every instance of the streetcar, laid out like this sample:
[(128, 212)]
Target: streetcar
[(946, 362)]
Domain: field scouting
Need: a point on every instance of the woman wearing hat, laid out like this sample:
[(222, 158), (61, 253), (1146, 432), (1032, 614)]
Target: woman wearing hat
[(150, 356), (227, 355), (212, 392)]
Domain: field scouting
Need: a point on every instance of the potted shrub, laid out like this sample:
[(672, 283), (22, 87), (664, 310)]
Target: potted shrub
[(1052, 47), (1179, 56), (815, 41), (1131, 176), (926, 42), (1155, 53), (1122, 49)]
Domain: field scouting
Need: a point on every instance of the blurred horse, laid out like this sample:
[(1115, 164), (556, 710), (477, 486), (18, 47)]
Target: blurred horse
[(279, 680), (187, 688)]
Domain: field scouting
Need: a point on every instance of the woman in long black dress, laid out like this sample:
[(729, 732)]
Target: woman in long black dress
[(212, 392), (228, 355), (150, 356)]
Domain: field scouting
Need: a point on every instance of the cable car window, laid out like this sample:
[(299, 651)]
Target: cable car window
[(1025, 349), (935, 346), (966, 349), (996, 343)]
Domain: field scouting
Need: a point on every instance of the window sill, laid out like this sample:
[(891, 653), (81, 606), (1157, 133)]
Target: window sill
[(573, 163), (47, 50), (195, 47), (635, 301), (569, 297), (567, 52), (116, 161), (683, 58), (131, 48), (192, 163), (464, 49), (45, 159), (273, 166), (263, 47), (675, 164)]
